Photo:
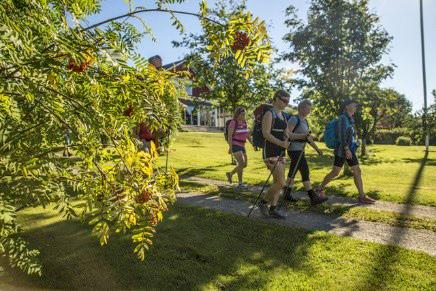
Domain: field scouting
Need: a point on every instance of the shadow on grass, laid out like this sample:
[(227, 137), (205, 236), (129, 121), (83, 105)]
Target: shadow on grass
[(193, 249), (386, 258), (191, 172), (339, 190), (429, 162), (319, 162)]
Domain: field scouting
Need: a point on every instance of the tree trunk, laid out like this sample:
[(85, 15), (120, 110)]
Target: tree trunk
[(363, 150), (365, 135)]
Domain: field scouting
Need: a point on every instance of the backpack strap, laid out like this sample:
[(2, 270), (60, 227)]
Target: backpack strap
[(297, 124)]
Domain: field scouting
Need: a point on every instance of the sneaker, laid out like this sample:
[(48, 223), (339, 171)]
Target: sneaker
[(229, 177), (320, 191), (242, 186), (263, 207), (276, 214), (287, 195), (366, 200)]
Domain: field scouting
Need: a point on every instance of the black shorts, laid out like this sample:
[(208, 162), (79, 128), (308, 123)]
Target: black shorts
[(236, 148), (273, 151), (339, 161)]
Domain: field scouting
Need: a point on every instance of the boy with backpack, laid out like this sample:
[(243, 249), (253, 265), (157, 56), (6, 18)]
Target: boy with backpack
[(340, 136)]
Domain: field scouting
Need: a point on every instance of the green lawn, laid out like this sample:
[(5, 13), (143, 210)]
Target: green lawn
[(391, 173), (202, 249)]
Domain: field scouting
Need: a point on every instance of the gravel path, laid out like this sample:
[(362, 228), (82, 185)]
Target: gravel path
[(416, 210), (420, 240)]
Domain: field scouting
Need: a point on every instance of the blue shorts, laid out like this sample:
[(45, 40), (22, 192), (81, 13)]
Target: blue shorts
[(236, 148)]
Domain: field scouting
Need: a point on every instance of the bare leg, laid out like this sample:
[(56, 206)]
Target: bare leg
[(357, 175), (307, 185), (290, 182), (330, 176), (239, 156), (279, 182)]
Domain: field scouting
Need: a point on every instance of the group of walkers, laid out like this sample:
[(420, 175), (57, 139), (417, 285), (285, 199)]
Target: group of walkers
[(282, 134)]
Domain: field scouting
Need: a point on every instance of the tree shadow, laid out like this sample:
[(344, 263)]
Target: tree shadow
[(319, 162), (190, 172), (191, 251), (429, 162), (387, 258)]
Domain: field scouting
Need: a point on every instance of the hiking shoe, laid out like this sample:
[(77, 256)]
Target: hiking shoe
[(263, 207), (287, 195), (315, 199), (276, 214), (318, 200), (229, 177)]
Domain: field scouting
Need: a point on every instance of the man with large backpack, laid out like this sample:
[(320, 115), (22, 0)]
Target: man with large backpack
[(340, 136)]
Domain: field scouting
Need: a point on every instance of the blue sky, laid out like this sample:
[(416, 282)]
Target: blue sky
[(399, 17)]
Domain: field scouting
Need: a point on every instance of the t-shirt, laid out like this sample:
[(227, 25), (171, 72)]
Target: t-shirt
[(303, 128), (240, 134), (345, 131)]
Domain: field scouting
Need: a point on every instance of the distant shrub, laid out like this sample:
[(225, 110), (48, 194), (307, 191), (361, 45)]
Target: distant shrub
[(390, 136), (403, 141)]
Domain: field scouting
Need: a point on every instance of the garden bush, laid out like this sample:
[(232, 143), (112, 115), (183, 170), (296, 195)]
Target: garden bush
[(403, 141), (390, 136)]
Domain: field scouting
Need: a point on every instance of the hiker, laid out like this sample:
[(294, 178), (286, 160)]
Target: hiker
[(155, 61), (345, 150), (237, 135), (299, 134), (274, 130)]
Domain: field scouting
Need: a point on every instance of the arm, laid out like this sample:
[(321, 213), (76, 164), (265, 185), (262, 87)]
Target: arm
[(341, 134), (250, 139), (344, 138), (316, 148), (295, 136), (230, 135), (266, 131)]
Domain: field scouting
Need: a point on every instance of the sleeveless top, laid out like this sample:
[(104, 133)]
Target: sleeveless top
[(240, 133), (278, 129)]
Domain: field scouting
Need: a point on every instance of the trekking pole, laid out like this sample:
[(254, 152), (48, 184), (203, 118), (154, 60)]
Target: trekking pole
[(266, 182)]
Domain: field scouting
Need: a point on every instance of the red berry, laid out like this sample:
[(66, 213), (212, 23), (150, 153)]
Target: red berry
[(143, 197), (241, 41), (129, 111)]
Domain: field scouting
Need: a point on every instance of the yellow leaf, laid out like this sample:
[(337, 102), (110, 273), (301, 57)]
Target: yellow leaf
[(153, 151), (126, 78), (132, 219)]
